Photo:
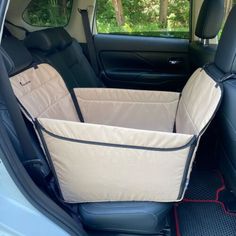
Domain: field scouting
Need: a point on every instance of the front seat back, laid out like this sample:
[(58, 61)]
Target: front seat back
[(226, 119), (209, 22)]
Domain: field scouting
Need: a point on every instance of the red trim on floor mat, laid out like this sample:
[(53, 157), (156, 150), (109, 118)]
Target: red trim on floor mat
[(222, 187), (216, 201), (210, 201)]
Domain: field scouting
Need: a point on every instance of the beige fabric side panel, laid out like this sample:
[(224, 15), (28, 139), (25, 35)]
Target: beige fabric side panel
[(148, 110), (199, 101), (189, 170), (42, 92), (97, 173)]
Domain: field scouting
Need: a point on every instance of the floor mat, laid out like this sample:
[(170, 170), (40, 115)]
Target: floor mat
[(205, 219), (204, 185), (201, 213)]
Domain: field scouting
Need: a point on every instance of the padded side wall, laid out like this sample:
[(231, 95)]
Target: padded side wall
[(42, 93), (198, 104), (147, 110), (97, 170)]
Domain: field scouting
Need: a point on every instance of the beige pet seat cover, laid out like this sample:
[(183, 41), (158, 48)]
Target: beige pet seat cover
[(127, 149)]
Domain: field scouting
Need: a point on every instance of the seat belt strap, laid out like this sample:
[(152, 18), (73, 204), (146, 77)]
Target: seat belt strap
[(90, 41), (77, 106)]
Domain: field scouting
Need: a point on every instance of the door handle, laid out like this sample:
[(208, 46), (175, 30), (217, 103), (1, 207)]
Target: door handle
[(175, 61)]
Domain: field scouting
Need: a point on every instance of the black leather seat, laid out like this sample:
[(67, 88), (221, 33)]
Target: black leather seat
[(56, 47), (139, 218), (37, 168), (126, 217), (209, 23), (226, 119)]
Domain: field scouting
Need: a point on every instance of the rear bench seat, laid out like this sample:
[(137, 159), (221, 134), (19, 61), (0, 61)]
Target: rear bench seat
[(56, 47), (125, 217)]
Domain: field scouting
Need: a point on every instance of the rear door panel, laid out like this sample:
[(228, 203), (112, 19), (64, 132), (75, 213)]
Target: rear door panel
[(143, 62)]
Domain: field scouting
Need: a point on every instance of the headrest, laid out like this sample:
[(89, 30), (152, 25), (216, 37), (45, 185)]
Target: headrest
[(225, 58), (48, 40), (17, 57), (210, 19)]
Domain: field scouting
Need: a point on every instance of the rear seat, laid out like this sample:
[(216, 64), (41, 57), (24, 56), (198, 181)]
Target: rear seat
[(107, 127), (56, 47), (125, 217)]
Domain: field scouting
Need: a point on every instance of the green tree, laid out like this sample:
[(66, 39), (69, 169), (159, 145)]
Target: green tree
[(117, 4), (145, 17), (163, 13)]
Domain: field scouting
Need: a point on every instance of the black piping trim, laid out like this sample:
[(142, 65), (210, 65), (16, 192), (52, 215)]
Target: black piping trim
[(116, 145), (186, 169), (174, 128)]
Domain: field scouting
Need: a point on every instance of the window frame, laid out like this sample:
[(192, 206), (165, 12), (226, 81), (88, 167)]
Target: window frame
[(139, 34)]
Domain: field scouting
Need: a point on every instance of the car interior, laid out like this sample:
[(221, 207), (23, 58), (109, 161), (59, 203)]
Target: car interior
[(125, 134)]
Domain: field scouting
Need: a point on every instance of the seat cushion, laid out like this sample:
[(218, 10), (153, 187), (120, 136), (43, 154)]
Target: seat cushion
[(126, 217)]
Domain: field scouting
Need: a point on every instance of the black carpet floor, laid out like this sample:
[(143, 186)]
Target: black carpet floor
[(201, 213), (205, 219), (204, 185)]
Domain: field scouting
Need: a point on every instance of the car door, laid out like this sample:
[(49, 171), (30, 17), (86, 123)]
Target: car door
[(143, 44)]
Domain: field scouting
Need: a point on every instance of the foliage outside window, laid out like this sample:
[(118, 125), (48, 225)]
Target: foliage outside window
[(163, 18), (48, 13)]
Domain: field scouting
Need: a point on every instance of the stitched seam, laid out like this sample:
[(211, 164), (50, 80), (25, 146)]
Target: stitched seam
[(53, 104), (109, 100), (128, 102)]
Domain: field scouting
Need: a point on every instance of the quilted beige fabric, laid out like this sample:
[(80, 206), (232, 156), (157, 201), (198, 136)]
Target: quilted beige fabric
[(126, 149)]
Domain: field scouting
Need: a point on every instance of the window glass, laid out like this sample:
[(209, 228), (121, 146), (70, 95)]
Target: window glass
[(163, 18), (48, 13)]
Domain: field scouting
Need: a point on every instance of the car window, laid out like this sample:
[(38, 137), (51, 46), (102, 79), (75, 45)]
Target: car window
[(162, 18), (48, 13)]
